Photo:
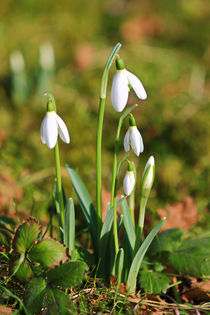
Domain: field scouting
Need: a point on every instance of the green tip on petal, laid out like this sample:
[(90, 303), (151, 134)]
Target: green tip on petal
[(51, 106), (119, 63), (132, 122), (130, 166)]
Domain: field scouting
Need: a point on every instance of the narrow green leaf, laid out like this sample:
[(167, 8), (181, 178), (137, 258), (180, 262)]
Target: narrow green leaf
[(9, 293), (106, 229), (69, 224), (57, 302), (26, 235), (86, 204), (119, 265), (49, 253), (68, 275), (192, 257), (136, 264), (154, 282), (128, 225), (106, 233), (34, 295)]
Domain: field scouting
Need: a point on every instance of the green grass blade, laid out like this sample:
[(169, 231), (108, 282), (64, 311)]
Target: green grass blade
[(128, 225), (86, 204), (69, 224), (136, 264)]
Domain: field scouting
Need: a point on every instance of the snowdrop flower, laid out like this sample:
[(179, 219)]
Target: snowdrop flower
[(122, 81), (133, 138), (129, 180), (148, 174), (51, 126)]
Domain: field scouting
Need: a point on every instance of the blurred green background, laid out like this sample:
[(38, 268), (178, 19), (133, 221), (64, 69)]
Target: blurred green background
[(165, 43)]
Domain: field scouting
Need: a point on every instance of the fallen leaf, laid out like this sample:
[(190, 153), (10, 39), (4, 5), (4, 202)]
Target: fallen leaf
[(180, 215)]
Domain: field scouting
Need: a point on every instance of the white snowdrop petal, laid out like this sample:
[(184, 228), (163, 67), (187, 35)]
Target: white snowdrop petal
[(135, 140), (127, 141), (141, 142), (136, 85), (42, 131), (128, 183), (149, 179), (62, 130), (50, 129), (120, 90)]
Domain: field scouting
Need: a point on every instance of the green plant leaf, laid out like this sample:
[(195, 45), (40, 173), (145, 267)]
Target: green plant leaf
[(26, 235), (34, 295), (165, 241), (104, 239), (136, 264), (68, 275), (69, 224), (49, 253), (154, 282), (21, 270), (192, 257), (128, 225), (58, 303), (86, 204), (5, 237)]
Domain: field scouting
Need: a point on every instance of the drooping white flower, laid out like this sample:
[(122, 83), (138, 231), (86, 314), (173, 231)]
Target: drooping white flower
[(128, 182), (149, 173), (51, 126), (134, 140), (121, 83)]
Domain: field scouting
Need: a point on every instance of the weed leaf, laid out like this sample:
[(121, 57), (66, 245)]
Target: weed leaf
[(68, 275), (34, 295), (49, 253)]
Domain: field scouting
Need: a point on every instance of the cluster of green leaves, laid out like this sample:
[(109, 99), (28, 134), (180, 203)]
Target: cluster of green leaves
[(127, 263), (187, 256), (44, 264)]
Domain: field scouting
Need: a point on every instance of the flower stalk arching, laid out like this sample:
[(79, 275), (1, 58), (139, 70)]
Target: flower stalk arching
[(99, 134)]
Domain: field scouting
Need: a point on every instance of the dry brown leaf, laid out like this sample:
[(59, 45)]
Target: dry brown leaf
[(180, 215), (199, 290), (4, 310)]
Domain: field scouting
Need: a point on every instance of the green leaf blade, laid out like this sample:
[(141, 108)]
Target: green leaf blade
[(86, 204), (34, 295), (154, 282), (136, 264), (25, 236), (49, 253), (68, 275), (192, 257)]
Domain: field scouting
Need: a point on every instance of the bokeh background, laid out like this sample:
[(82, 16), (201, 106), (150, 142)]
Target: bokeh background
[(62, 46)]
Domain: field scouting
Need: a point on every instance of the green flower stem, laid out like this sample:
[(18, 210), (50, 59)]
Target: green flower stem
[(99, 134), (115, 177), (116, 242), (132, 198), (116, 150), (59, 183), (98, 163)]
